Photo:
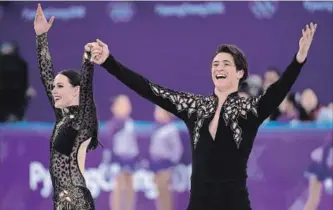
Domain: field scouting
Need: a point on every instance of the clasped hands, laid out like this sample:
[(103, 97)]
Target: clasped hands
[(98, 50)]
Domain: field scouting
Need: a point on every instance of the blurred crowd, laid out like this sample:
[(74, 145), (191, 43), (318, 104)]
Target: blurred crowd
[(15, 92), (301, 106)]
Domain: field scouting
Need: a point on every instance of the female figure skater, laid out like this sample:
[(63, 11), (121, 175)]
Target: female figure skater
[(320, 174), (165, 151), (75, 131), (222, 125), (125, 151)]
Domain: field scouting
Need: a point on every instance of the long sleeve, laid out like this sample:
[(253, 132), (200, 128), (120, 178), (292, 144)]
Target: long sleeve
[(275, 94), (45, 66), (87, 120), (178, 103)]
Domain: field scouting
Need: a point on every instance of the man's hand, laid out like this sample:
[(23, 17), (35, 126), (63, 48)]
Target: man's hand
[(40, 24), (88, 50), (99, 52), (305, 42)]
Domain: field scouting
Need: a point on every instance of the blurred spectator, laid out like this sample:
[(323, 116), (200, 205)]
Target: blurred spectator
[(309, 105), (320, 174), (287, 111), (254, 85), (125, 151), (271, 75), (165, 151), (14, 87), (325, 114)]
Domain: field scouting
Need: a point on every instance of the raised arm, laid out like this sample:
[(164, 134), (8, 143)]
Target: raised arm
[(275, 94), (44, 60), (87, 119), (45, 65), (178, 103), (172, 101)]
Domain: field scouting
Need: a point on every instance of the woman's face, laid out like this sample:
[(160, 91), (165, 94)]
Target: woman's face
[(63, 93)]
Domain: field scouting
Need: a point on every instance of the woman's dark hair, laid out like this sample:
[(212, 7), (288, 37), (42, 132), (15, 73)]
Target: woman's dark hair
[(74, 79), (73, 76), (238, 56)]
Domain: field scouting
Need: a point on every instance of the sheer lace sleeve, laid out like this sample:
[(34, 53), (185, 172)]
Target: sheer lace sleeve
[(45, 66), (87, 120)]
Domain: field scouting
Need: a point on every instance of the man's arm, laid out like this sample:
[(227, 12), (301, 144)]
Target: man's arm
[(275, 94), (180, 104)]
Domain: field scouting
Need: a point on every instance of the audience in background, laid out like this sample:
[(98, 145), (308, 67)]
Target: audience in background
[(303, 107), (271, 75), (325, 114), (287, 111), (14, 84), (309, 105), (254, 83)]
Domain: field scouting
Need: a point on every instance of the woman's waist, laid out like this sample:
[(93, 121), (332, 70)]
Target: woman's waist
[(66, 179), (70, 191)]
